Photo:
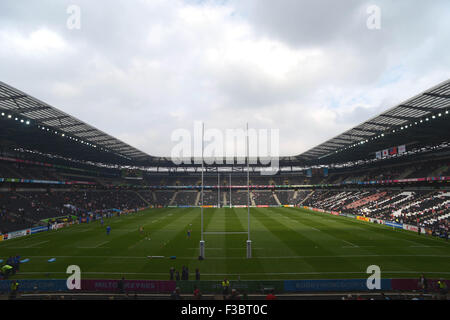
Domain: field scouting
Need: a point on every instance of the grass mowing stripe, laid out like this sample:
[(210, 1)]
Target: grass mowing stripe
[(326, 239), (293, 243), (288, 238), (380, 228), (382, 247), (327, 232), (384, 237)]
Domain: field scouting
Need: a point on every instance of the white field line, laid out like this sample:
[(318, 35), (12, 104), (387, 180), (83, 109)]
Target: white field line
[(425, 246), (30, 246), (225, 232), (38, 243), (243, 248), (353, 247), (94, 247), (252, 274), (25, 247), (23, 240), (348, 242), (274, 257)]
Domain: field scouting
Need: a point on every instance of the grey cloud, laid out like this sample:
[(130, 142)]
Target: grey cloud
[(138, 71)]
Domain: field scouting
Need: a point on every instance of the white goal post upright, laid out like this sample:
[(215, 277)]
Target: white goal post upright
[(230, 190), (249, 242), (218, 188), (202, 242)]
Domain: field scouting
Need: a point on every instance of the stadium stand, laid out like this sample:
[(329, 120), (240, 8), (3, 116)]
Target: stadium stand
[(47, 178)]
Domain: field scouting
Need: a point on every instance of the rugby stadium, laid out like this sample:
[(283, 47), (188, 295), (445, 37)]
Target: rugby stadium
[(377, 194), (224, 154)]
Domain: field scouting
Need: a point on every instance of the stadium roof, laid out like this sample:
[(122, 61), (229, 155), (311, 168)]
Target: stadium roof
[(88, 143), (414, 109), (24, 105)]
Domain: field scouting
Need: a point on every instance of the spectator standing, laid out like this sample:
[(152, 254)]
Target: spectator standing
[(234, 295), (225, 286), (197, 293), (121, 285), (197, 274), (271, 295), (423, 284), (183, 273), (14, 289), (176, 294), (442, 285)]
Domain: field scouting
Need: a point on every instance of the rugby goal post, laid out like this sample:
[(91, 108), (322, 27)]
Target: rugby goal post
[(248, 242)]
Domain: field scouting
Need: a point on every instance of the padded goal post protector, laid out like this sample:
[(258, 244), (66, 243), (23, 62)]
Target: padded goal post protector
[(202, 250)]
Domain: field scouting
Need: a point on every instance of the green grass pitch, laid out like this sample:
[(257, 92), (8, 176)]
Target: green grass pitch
[(288, 243)]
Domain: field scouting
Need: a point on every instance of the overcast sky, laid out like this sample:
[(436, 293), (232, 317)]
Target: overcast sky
[(138, 70)]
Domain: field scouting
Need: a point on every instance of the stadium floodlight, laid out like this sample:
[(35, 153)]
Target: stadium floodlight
[(9, 116), (28, 122)]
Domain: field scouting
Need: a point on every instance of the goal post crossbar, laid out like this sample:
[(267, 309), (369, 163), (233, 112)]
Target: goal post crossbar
[(225, 232)]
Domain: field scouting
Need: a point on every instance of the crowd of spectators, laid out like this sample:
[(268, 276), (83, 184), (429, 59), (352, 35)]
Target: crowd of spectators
[(19, 210), (425, 208)]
